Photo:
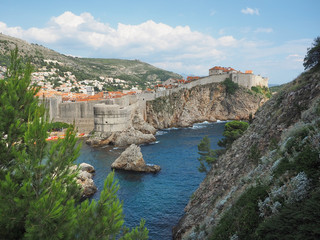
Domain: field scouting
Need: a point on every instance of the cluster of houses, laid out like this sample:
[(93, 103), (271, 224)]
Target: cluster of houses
[(67, 82)]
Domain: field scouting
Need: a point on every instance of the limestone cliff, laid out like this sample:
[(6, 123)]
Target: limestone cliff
[(253, 157), (208, 102)]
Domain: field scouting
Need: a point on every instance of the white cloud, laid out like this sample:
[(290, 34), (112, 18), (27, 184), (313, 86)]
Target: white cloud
[(250, 11), (130, 41), (179, 49)]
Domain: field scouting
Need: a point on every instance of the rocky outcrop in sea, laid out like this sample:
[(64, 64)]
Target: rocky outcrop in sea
[(132, 160)]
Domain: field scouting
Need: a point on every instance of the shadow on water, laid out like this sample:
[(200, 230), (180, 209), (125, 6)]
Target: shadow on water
[(158, 198)]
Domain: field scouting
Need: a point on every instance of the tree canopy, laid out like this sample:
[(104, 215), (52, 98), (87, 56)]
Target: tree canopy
[(312, 59), (207, 155), (40, 198), (232, 131)]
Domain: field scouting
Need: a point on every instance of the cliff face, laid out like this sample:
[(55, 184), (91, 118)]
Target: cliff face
[(208, 102), (252, 157)]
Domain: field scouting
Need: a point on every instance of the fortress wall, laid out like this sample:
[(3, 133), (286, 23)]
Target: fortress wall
[(259, 81), (76, 110), (83, 125), (249, 80), (111, 115), (111, 118)]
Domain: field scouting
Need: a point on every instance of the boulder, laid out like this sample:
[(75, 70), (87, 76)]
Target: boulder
[(84, 179), (132, 136), (132, 160), (86, 167), (141, 125)]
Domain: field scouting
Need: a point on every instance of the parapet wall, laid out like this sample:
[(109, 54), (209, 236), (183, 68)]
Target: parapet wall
[(82, 113)]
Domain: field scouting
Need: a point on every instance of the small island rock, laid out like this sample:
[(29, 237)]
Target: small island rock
[(132, 160)]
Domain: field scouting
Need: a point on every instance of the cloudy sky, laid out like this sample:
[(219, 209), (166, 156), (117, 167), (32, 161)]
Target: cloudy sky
[(270, 37)]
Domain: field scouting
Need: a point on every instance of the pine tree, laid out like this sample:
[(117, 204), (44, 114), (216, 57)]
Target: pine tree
[(39, 196), (207, 155)]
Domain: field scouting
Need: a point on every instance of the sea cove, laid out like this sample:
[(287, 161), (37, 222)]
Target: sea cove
[(158, 198)]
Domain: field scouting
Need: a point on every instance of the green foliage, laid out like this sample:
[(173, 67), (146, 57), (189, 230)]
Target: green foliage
[(231, 86), (243, 217), (274, 89), (312, 59), (295, 221), (232, 131), (255, 153), (207, 155), (262, 90), (39, 195)]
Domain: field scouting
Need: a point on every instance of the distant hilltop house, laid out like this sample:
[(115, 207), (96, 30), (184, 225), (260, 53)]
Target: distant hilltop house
[(246, 79)]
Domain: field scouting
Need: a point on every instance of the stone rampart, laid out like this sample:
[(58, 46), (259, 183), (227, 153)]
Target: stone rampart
[(110, 115), (111, 118)]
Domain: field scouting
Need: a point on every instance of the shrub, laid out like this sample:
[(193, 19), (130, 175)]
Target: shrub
[(243, 217), (255, 153), (300, 220), (232, 131), (231, 86)]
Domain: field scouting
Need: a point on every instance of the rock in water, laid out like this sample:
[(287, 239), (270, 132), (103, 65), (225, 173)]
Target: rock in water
[(84, 179), (86, 167), (132, 160), (132, 136)]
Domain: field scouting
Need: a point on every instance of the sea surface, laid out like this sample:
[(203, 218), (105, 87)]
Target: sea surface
[(158, 198)]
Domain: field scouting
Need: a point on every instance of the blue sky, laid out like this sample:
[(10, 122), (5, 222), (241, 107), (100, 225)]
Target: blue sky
[(267, 36)]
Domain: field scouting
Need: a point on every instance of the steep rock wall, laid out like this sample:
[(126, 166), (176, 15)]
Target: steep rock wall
[(208, 102), (235, 171)]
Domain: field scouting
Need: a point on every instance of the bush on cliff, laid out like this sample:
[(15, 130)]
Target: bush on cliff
[(39, 196), (312, 59), (231, 86), (232, 131), (207, 155)]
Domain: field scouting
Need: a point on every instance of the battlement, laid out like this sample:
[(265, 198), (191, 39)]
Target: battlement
[(246, 79)]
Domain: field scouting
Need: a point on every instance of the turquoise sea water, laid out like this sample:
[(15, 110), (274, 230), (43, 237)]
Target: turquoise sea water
[(158, 198)]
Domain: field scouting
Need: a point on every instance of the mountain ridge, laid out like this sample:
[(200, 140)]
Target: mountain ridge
[(130, 70)]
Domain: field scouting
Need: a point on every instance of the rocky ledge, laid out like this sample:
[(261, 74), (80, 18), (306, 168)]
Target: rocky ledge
[(132, 160), (84, 179)]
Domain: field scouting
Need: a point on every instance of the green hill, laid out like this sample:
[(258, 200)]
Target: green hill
[(133, 71)]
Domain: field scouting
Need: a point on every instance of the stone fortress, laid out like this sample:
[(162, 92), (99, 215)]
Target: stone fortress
[(116, 114)]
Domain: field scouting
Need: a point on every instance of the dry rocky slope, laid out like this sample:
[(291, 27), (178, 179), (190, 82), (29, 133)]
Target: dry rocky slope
[(235, 171), (209, 102)]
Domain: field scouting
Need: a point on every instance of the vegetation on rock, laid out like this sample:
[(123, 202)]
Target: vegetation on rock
[(232, 131), (39, 195), (231, 86), (312, 59), (266, 186), (265, 91), (207, 155), (135, 72)]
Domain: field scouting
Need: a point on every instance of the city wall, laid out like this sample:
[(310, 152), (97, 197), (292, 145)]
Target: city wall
[(110, 115)]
